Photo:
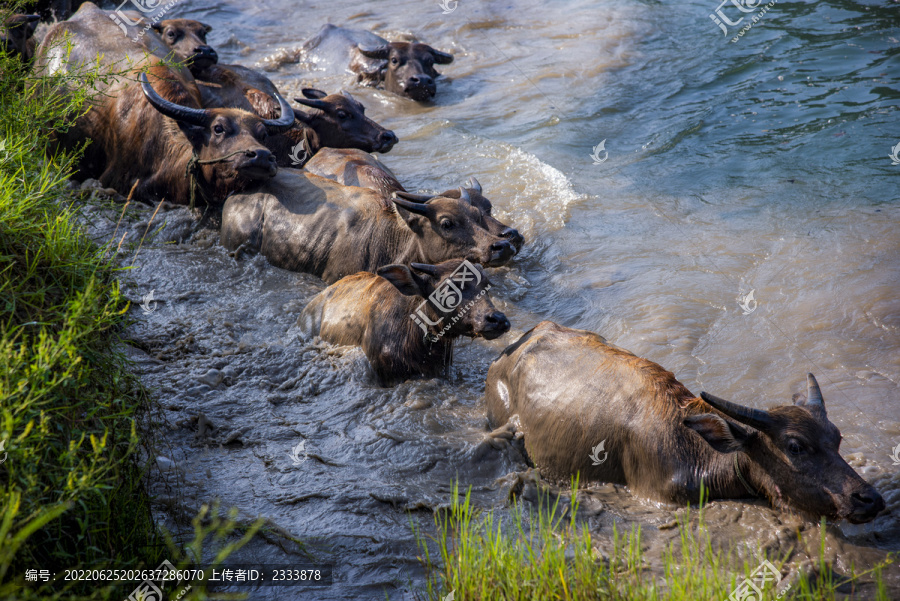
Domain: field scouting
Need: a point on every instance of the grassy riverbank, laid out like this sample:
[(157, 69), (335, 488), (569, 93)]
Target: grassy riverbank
[(547, 554), (70, 491)]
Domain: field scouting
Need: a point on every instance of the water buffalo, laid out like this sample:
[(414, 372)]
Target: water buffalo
[(186, 39), (153, 134), (570, 391), (336, 120), (404, 68), (356, 168), (303, 222), (386, 314), (17, 36)]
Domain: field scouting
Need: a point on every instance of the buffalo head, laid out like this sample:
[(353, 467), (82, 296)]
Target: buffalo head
[(16, 34), (793, 454), (231, 139), (478, 200), (452, 227), (468, 310), (186, 39), (408, 67), (339, 121)]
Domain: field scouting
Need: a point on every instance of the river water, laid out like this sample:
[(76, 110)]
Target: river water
[(760, 165)]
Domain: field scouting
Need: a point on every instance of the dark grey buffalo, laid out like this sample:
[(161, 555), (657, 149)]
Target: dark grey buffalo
[(587, 406), (404, 68), (355, 168), (303, 222), (406, 317), (17, 36)]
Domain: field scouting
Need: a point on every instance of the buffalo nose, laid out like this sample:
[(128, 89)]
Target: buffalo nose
[(501, 251), (421, 80), (513, 236), (205, 51), (868, 503), (388, 138), (498, 321)]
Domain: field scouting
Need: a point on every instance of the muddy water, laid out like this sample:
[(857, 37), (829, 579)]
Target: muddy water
[(756, 166)]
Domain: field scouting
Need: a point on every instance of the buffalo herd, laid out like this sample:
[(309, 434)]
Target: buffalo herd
[(406, 271)]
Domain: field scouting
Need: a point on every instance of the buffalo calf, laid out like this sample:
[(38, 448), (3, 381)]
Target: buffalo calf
[(403, 68), (406, 317), (17, 36), (587, 406)]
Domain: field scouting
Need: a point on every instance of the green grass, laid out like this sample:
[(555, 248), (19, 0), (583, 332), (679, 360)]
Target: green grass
[(547, 554), (71, 491)]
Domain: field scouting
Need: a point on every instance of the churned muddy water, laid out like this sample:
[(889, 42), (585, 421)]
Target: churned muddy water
[(728, 168)]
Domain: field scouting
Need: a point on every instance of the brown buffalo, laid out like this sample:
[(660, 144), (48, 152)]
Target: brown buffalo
[(303, 222), (356, 168), (187, 40), (336, 120), (153, 133), (395, 317), (404, 68), (570, 390), (17, 36)]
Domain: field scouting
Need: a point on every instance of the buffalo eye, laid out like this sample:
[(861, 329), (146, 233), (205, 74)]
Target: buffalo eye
[(446, 224), (394, 60), (218, 129), (343, 115), (170, 34), (795, 448)]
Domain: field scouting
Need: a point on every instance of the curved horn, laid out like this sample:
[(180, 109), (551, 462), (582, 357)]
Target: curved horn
[(312, 103), (813, 394), (756, 418), (379, 52), (426, 268), (284, 122), (346, 94), (464, 195), (413, 197), (474, 184), (418, 208), (441, 58), (185, 114)]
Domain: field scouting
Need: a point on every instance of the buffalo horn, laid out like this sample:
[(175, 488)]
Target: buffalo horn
[(426, 268), (474, 184), (756, 418), (418, 208), (413, 197), (185, 114), (379, 52), (284, 122), (813, 394), (464, 195), (312, 103)]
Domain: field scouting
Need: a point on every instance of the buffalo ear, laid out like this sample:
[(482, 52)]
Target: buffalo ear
[(402, 279), (31, 23), (314, 93), (196, 134), (722, 435), (208, 28), (157, 27), (799, 398), (441, 58)]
